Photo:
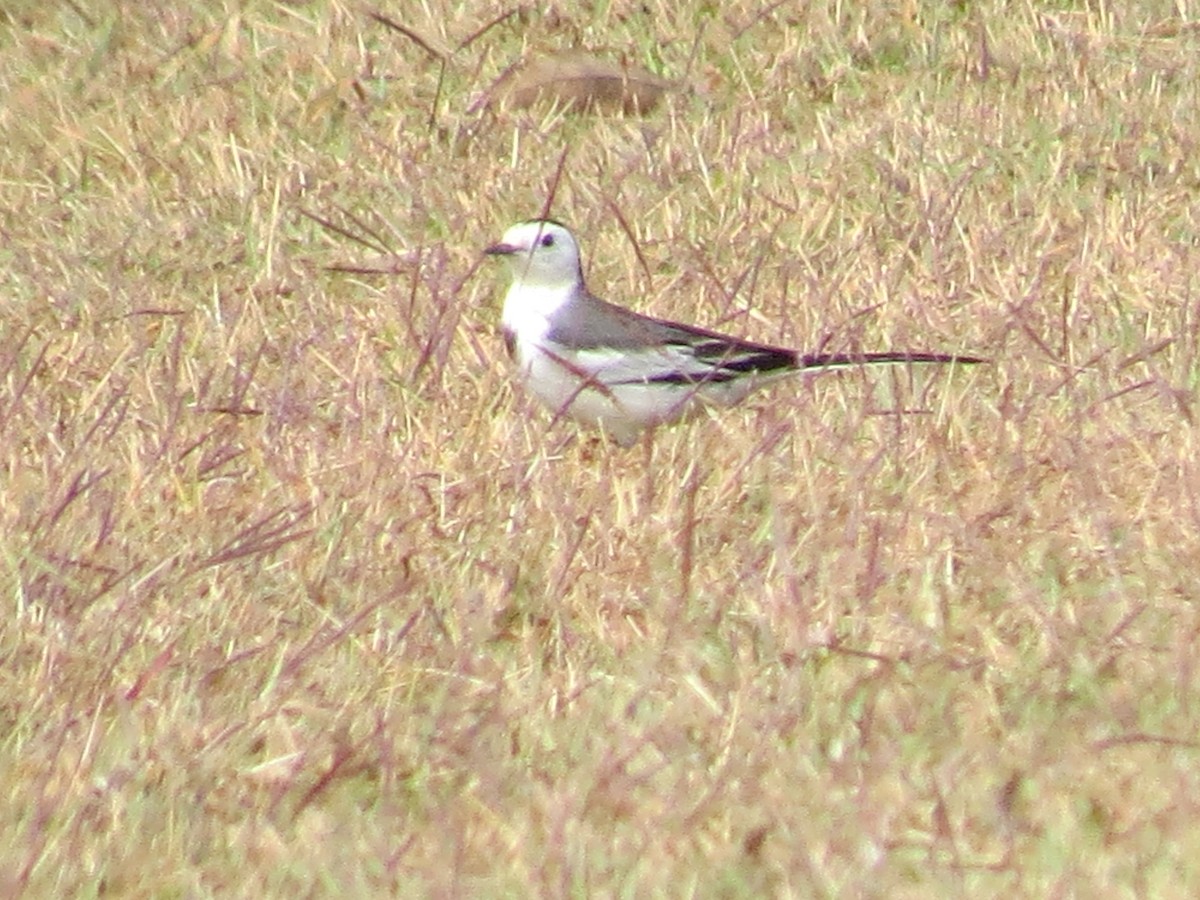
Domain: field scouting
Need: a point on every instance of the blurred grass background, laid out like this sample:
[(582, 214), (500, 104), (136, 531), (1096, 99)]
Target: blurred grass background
[(303, 597)]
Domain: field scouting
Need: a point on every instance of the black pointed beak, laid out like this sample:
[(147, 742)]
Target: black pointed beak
[(502, 250)]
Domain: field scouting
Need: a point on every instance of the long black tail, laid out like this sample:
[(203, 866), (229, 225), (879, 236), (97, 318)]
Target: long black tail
[(899, 357)]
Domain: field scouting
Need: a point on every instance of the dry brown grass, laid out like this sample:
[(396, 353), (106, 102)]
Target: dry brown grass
[(302, 597)]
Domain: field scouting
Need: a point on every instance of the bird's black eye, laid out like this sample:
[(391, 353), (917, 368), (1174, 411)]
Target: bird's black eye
[(547, 240)]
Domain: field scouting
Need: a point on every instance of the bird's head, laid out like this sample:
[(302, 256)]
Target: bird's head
[(540, 253)]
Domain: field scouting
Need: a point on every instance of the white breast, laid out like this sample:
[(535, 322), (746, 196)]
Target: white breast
[(528, 309)]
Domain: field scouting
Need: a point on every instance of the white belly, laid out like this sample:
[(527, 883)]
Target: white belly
[(577, 388)]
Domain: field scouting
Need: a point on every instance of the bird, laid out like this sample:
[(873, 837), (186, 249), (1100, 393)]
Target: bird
[(609, 367)]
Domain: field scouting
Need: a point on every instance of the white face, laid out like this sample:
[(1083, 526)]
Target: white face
[(540, 254)]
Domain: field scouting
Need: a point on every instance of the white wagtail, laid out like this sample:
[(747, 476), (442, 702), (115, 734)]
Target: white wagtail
[(610, 367)]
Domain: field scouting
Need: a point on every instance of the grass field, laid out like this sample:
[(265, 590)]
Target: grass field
[(303, 598)]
